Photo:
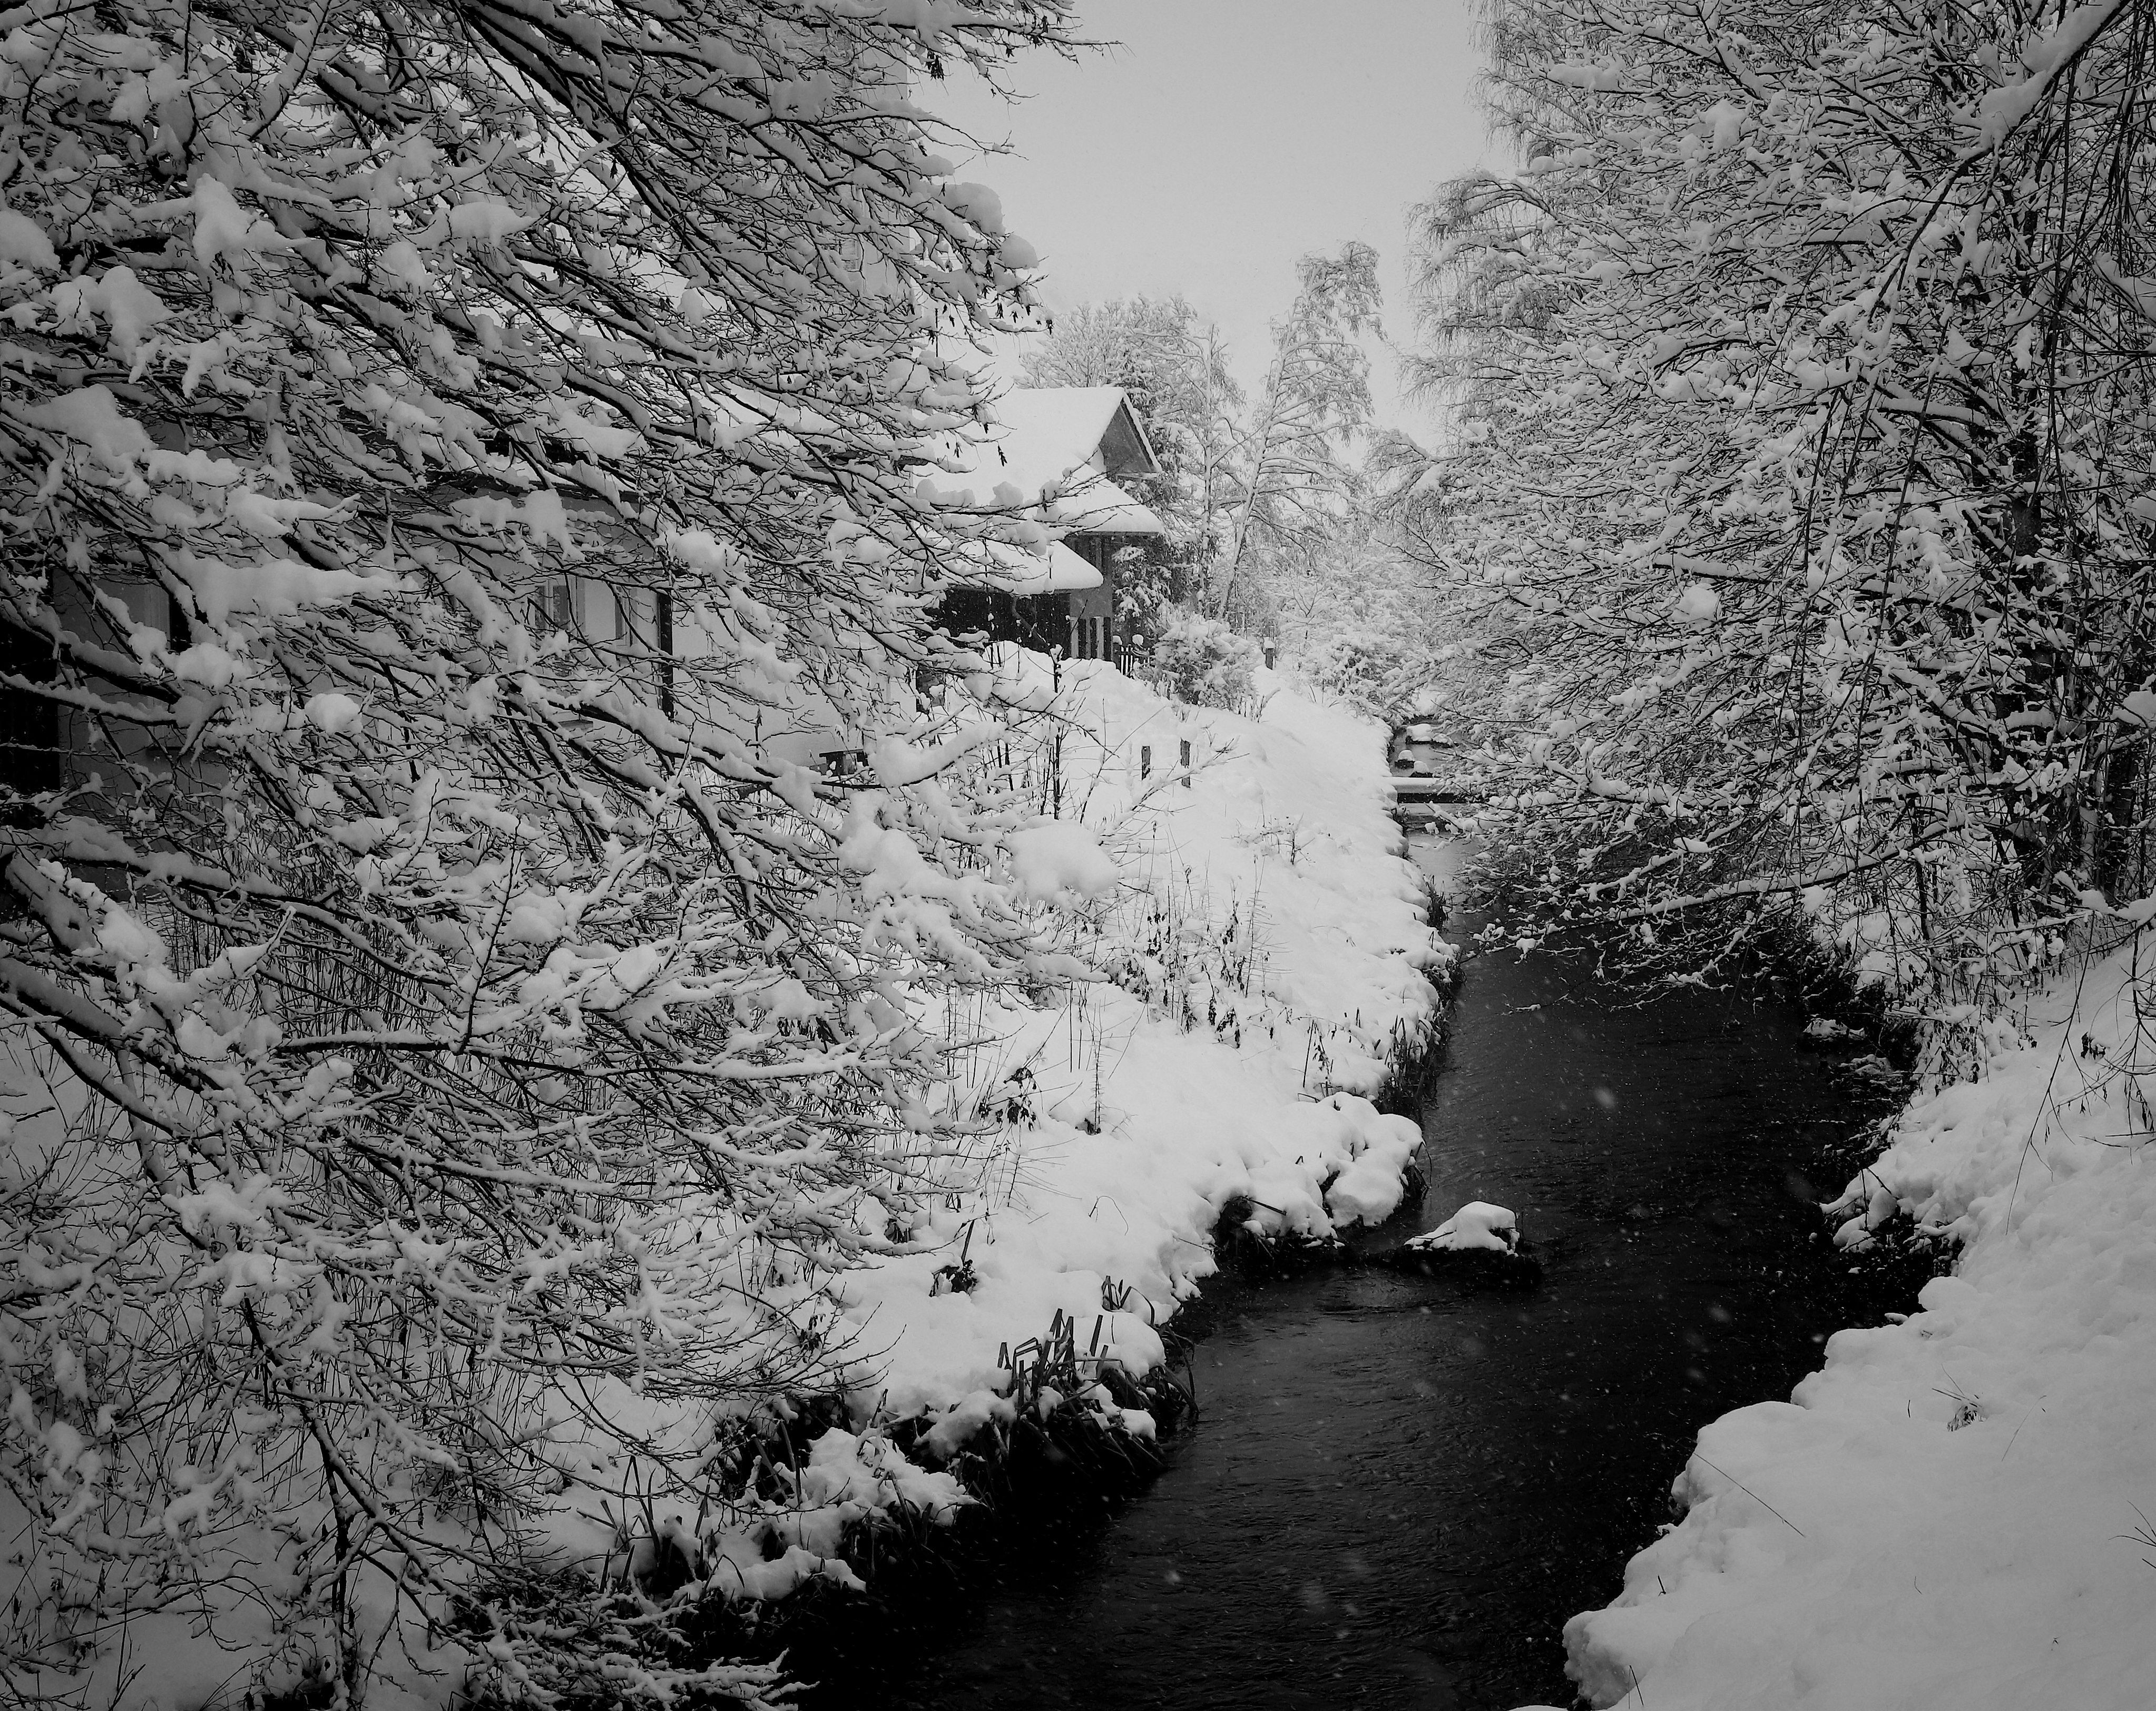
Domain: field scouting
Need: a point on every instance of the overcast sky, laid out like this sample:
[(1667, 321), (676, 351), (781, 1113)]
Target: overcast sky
[(1223, 138)]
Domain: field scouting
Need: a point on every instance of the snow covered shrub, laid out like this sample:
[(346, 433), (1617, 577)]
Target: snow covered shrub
[(1208, 663), (462, 462), (1358, 665)]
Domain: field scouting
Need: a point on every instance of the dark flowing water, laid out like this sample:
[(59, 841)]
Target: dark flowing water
[(1398, 1489)]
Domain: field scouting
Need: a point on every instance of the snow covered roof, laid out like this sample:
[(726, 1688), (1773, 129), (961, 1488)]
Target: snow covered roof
[(1056, 429), (1075, 439), (1099, 507), (1064, 573), (1016, 572)]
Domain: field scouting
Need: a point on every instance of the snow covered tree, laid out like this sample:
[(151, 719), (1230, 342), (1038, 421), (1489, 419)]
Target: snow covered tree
[(1297, 483), (1363, 619), (461, 460), (1242, 496), (1801, 505)]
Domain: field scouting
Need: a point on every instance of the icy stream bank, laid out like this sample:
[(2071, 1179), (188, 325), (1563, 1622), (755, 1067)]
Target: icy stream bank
[(1400, 1489), (1268, 959), (1953, 1514), (1240, 884)]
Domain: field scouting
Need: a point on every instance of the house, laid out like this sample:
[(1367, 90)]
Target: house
[(1077, 443), (617, 621)]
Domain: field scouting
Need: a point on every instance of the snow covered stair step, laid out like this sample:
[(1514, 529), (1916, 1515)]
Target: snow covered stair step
[(1480, 1241)]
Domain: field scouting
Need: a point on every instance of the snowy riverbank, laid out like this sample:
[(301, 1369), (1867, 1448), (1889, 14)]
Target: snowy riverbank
[(1240, 884), (1268, 954), (1954, 1512)]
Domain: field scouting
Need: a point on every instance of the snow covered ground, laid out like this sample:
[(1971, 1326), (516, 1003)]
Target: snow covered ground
[(1265, 936), (1242, 883), (1956, 1511)]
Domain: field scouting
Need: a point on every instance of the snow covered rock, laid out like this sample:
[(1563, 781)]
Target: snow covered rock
[(1480, 1241), (1478, 1224)]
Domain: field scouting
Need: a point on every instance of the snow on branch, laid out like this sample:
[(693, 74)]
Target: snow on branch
[(460, 466), (1796, 522)]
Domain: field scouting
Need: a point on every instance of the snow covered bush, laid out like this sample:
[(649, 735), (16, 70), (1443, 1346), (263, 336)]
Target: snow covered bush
[(1800, 518), (1208, 663), (463, 460), (1359, 665)]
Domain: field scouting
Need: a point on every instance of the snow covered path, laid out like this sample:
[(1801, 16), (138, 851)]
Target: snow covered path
[(1954, 1514)]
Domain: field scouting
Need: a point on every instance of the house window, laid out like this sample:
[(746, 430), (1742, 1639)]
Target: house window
[(595, 610), (604, 617)]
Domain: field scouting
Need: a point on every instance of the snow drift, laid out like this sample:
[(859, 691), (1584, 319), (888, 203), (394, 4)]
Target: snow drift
[(1953, 1513)]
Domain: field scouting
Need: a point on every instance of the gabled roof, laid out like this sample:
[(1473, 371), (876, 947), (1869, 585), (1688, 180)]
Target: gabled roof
[(1073, 438), (1019, 572), (1052, 430)]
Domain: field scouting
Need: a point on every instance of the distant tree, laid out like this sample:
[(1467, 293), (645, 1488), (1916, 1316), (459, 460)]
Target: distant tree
[(1363, 618), (1297, 484)]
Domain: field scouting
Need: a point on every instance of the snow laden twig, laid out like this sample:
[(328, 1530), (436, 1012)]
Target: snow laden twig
[(1795, 536), (463, 466)]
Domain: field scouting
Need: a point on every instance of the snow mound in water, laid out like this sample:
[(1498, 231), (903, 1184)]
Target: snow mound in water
[(1478, 1224)]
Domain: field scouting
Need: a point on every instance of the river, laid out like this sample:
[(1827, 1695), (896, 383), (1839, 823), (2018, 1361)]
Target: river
[(1400, 1489)]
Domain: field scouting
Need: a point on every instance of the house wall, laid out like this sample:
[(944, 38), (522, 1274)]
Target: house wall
[(1037, 622), (1040, 621), (1089, 614), (1083, 623)]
